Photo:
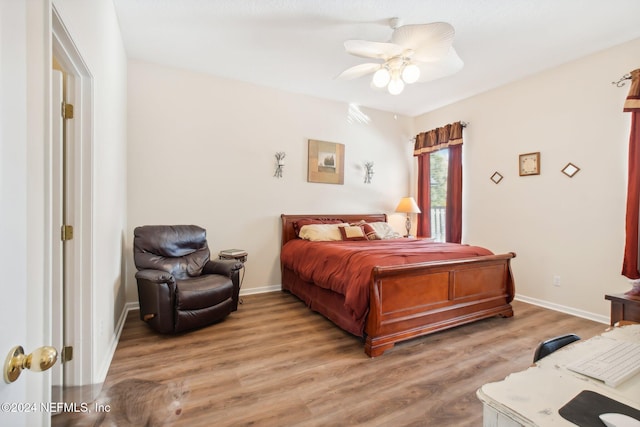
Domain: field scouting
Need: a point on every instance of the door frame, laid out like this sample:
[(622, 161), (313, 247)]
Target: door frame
[(79, 317)]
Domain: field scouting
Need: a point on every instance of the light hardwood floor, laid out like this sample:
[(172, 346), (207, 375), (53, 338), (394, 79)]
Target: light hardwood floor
[(276, 363)]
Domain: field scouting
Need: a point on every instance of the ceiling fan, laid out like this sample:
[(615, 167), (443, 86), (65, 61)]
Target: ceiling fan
[(415, 53)]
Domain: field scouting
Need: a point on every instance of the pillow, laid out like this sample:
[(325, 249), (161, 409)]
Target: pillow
[(368, 230), (352, 232), (321, 232), (297, 225), (384, 230)]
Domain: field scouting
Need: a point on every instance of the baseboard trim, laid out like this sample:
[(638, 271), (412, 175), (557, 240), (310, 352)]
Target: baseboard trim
[(261, 290), (106, 364), (564, 309)]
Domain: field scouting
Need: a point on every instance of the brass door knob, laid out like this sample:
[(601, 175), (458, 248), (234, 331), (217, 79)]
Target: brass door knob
[(39, 360)]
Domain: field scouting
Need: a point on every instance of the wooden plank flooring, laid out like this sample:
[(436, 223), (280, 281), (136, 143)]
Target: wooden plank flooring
[(276, 363)]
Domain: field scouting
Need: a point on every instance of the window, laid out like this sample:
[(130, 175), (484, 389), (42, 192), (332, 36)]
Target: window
[(444, 146), (439, 164)]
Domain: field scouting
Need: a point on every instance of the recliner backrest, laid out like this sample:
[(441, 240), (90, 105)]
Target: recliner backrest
[(181, 250)]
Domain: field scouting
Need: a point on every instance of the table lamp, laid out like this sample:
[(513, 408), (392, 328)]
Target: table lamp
[(408, 205)]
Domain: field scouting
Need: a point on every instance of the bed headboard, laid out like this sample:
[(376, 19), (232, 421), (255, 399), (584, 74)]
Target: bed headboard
[(289, 233)]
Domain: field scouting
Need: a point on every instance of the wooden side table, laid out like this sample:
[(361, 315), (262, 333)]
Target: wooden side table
[(624, 307)]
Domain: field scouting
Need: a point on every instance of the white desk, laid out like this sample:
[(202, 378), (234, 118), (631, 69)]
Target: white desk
[(534, 396)]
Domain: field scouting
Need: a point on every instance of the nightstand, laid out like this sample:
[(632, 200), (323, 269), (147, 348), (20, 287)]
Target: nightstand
[(624, 307)]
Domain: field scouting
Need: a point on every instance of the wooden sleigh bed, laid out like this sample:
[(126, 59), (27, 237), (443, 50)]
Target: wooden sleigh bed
[(404, 300)]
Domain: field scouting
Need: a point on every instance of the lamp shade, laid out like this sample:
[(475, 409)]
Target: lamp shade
[(407, 205)]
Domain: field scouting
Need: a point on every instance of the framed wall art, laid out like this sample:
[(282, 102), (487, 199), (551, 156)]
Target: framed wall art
[(496, 177), (529, 164), (570, 170), (326, 162)]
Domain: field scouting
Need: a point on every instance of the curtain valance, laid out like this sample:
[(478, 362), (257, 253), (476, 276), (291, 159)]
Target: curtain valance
[(438, 138)]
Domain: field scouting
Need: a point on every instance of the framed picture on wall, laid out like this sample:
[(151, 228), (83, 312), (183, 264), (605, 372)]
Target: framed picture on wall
[(529, 164), (326, 162)]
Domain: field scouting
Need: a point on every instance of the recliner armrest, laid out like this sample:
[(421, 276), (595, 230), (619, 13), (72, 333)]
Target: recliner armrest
[(224, 267), (155, 276), (156, 293), (230, 268)]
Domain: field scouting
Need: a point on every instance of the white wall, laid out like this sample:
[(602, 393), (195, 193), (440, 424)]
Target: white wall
[(201, 151), (558, 226), (94, 28)]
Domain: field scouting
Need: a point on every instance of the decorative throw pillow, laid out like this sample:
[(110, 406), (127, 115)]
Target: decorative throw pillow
[(384, 230), (368, 230), (321, 232), (352, 232), (297, 225)]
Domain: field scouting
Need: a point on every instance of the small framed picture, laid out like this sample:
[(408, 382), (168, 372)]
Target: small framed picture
[(570, 170), (496, 177), (326, 162), (529, 164)]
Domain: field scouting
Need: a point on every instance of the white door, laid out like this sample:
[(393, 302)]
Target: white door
[(14, 306), (22, 233), (57, 253), (63, 251)]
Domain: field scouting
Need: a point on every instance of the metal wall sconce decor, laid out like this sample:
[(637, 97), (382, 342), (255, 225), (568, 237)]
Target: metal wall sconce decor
[(280, 155), (496, 177), (622, 80), (368, 172), (570, 170)]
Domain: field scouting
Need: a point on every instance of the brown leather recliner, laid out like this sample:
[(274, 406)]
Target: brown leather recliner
[(179, 286)]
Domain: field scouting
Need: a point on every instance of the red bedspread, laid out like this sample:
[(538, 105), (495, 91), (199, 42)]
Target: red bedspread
[(345, 266)]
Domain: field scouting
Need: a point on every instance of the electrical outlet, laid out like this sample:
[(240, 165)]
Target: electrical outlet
[(556, 281)]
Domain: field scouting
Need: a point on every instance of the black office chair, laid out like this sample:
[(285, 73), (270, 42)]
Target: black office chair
[(547, 347)]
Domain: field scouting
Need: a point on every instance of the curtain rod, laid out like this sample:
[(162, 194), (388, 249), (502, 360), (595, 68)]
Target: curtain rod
[(622, 80)]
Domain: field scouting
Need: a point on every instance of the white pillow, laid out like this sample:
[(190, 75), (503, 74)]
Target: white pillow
[(384, 230), (321, 232)]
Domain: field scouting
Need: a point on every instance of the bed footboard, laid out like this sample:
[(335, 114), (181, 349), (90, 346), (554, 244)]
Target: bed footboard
[(412, 300)]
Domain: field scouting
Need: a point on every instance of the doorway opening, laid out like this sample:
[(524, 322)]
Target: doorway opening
[(70, 200)]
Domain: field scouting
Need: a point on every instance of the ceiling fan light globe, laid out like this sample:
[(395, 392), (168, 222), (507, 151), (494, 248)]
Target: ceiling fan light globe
[(381, 78), (411, 73), (396, 86)]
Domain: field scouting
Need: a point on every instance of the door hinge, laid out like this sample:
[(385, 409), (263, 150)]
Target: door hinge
[(67, 232), (67, 111), (66, 355)]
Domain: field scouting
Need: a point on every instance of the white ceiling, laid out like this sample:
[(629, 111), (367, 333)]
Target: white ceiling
[(297, 45)]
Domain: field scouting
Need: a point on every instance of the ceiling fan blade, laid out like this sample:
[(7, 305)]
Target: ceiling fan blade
[(448, 65), (358, 71), (367, 49), (428, 41)]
